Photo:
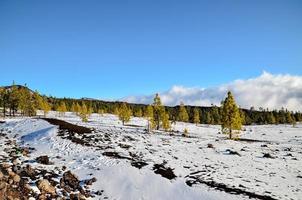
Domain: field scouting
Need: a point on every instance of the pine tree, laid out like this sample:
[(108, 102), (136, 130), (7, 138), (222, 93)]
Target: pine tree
[(124, 113), (45, 107), (289, 118), (183, 115), (139, 112), (62, 108), (150, 117), (158, 111), (78, 108), (196, 116), (209, 119), (230, 116), (73, 107), (83, 112), (242, 116), (14, 99), (216, 116), (165, 121)]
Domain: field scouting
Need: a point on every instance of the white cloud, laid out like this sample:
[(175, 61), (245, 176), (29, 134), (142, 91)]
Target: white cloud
[(267, 91)]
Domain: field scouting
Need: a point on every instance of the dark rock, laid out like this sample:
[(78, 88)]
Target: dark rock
[(70, 180), (90, 181), (165, 172), (211, 146), (43, 160), (267, 155)]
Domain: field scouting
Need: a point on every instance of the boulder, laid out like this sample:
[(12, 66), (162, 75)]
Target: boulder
[(45, 187)]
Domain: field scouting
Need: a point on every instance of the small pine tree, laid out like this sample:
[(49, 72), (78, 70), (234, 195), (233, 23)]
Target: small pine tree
[(45, 107), (231, 119), (73, 107), (139, 112), (183, 115), (62, 109), (150, 117), (165, 121), (83, 112), (124, 113), (196, 116), (158, 111)]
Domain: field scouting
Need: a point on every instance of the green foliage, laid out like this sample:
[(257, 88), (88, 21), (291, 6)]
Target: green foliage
[(83, 113), (150, 117), (159, 111), (196, 116), (62, 109), (183, 115), (165, 121), (231, 119), (124, 113)]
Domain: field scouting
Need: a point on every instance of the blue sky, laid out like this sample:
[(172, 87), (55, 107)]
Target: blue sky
[(112, 49)]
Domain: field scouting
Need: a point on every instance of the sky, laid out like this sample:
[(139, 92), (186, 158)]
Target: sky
[(114, 49)]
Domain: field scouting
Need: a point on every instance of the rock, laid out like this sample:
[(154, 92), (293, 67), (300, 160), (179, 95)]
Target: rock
[(90, 181), (16, 178), (70, 180), (28, 171), (43, 160), (74, 196), (16, 161), (3, 185), (45, 187), (267, 155), (1, 175), (211, 146)]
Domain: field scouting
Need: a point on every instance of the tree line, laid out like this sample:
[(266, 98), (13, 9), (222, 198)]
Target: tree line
[(20, 99)]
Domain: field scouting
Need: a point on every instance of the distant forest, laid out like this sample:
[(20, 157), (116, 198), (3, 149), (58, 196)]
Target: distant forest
[(17, 99)]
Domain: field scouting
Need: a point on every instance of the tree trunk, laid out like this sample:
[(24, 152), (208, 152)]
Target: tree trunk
[(230, 134)]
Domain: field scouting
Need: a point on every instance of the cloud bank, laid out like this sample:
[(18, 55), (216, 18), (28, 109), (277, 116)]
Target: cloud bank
[(266, 91)]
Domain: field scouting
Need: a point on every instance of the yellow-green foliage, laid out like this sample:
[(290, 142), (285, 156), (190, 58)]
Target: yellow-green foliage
[(159, 111), (45, 107), (62, 109), (196, 116), (165, 121), (83, 113), (124, 113), (231, 119), (183, 115), (150, 117)]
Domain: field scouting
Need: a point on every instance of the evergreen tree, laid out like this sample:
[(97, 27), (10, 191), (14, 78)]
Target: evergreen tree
[(150, 117), (289, 118), (215, 115), (165, 121), (62, 108), (138, 113), (196, 116), (183, 115), (45, 107), (78, 108), (209, 119), (14, 99), (73, 107), (83, 113), (124, 113), (231, 119), (158, 111)]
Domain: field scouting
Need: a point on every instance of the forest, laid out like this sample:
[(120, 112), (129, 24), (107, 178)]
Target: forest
[(20, 100)]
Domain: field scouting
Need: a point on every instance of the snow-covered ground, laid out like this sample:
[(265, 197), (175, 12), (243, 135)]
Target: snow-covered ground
[(191, 159)]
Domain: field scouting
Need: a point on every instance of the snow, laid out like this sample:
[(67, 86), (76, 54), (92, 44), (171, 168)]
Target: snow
[(277, 177)]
